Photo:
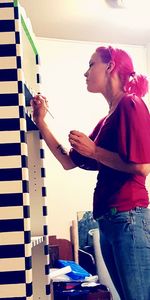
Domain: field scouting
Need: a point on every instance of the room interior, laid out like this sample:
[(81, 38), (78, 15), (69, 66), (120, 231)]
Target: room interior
[(67, 32)]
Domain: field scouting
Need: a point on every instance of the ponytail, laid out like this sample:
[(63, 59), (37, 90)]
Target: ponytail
[(138, 85)]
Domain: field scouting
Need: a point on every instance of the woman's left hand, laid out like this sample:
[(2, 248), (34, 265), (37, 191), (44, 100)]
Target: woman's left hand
[(81, 143)]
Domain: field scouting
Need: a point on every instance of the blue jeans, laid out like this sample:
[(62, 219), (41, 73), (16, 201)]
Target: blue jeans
[(125, 245)]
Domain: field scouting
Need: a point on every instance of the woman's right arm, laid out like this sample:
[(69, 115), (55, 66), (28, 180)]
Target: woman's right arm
[(40, 107)]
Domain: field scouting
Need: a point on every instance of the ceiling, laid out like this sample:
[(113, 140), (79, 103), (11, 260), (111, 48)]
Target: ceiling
[(91, 20)]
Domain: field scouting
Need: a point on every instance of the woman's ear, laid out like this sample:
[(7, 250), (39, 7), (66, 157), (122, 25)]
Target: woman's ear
[(110, 66)]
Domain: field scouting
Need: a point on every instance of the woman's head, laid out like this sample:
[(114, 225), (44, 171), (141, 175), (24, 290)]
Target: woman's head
[(118, 62)]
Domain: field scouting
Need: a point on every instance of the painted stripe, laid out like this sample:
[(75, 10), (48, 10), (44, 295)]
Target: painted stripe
[(7, 13), (25, 174), (7, 25), (10, 251), (6, 137), (13, 290), (28, 35), (15, 199), (8, 99), (9, 187), (12, 277), (8, 75), (9, 112), (9, 149), (12, 264), (8, 38), (7, 50), (29, 290), (8, 62), (9, 213), (6, 5), (9, 124), (9, 226), (9, 87), (10, 162), (10, 174), (29, 275), (7, 1), (11, 238)]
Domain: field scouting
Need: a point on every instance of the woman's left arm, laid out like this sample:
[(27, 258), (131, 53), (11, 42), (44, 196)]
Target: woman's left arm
[(85, 146)]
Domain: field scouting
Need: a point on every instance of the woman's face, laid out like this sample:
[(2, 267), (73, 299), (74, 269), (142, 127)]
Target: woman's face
[(96, 75)]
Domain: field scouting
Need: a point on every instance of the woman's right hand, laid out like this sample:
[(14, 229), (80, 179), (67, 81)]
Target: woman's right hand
[(40, 106)]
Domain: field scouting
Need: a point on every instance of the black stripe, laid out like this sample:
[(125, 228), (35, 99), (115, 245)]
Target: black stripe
[(8, 50), (26, 211), (7, 25), (10, 174), (16, 13), (10, 149), (46, 250), (9, 99), (43, 191), (9, 124), (42, 153), (48, 289), (11, 225), (11, 200), (27, 237), (28, 95), (8, 75), (29, 290), (24, 160), (6, 4), (37, 59), (47, 270), (12, 277), (28, 263), (10, 251), (25, 186), (45, 213), (30, 124), (43, 172), (45, 229), (38, 78)]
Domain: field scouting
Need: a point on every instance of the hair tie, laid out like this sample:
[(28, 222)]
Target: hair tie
[(133, 74)]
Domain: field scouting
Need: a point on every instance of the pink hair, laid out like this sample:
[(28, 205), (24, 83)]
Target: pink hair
[(131, 83)]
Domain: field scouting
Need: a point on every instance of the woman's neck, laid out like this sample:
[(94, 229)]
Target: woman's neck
[(114, 100)]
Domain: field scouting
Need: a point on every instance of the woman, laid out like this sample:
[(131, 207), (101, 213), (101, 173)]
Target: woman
[(119, 148)]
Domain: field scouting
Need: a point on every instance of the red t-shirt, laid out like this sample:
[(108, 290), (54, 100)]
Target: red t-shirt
[(127, 132)]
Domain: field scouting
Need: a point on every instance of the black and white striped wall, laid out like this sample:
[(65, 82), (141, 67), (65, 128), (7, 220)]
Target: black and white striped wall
[(17, 263)]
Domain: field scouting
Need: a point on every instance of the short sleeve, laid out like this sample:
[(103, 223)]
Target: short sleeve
[(82, 161), (133, 130)]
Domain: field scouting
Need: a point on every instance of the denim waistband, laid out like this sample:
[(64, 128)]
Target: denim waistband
[(113, 211)]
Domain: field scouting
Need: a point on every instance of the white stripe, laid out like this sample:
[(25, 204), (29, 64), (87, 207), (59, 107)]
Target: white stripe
[(7, 162), (23, 124), (8, 87), (8, 38), (24, 149), (12, 264), (7, 1), (9, 137), (8, 112), (13, 290), (25, 174), (9, 187), (11, 238), (10, 213), (28, 276), (8, 62), (7, 13), (27, 248)]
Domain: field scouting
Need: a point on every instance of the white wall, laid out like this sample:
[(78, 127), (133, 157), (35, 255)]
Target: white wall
[(63, 64)]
